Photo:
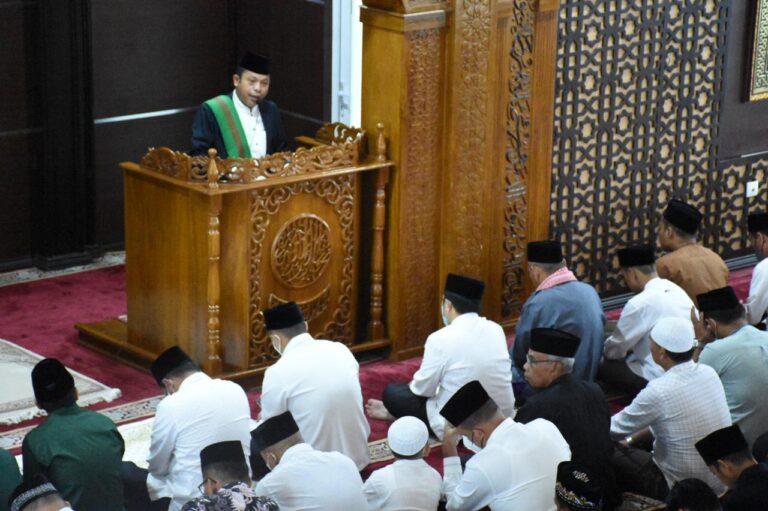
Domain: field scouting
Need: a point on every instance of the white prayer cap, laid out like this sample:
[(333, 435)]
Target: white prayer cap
[(407, 436), (674, 334)]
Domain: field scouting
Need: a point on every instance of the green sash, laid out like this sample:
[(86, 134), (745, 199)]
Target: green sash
[(223, 109)]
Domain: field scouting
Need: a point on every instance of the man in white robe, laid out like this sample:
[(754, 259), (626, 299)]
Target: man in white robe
[(757, 302)]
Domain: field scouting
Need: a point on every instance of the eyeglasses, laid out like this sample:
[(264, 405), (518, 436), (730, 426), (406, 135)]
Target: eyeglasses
[(532, 361), (201, 486)]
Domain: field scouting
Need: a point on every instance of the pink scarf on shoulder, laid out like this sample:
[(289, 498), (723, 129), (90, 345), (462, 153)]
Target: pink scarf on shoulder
[(561, 276)]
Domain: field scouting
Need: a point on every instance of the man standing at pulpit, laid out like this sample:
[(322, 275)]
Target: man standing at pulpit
[(242, 124)]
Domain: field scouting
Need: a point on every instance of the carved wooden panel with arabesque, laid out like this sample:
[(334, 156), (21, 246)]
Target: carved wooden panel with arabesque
[(210, 243)]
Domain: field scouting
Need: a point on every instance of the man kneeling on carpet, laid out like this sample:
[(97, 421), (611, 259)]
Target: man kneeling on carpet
[(38, 494), (517, 466), (78, 450), (198, 410), (469, 347), (302, 477), (409, 482), (226, 484)]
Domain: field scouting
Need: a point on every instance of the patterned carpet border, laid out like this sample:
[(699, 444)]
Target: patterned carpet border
[(120, 414)]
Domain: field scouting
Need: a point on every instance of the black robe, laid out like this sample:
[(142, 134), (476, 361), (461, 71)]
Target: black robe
[(580, 411), (751, 491), (206, 133)]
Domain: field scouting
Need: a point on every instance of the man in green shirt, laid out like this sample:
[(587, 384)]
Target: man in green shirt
[(9, 477), (78, 450)]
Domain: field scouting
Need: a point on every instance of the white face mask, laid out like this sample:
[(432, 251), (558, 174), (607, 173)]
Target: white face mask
[(276, 344), (446, 322), (66, 509)]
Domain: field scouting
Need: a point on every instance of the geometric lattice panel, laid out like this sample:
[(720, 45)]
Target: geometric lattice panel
[(637, 108)]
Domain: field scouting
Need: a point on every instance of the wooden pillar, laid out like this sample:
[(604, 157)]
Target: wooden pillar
[(403, 68), (542, 122), (213, 363)]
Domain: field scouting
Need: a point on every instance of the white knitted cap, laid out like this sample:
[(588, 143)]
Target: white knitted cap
[(674, 334), (407, 436)]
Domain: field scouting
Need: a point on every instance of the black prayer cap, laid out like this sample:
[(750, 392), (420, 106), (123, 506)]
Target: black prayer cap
[(51, 381), (683, 216), (29, 491), (760, 448), (282, 316), (757, 222), (463, 287), (719, 444), (545, 252), (721, 299), (552, 341), (636, 255), (577, 487), (255, 63), (466, 401), (169, 360), (222, 452), (274, 430)]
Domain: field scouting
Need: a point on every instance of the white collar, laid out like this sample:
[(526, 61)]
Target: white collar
[(296, 341), (239, 105), (464, 318), (193, 379)]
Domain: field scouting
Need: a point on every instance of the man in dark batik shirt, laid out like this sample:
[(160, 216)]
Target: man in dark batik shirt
[(226, 483), (578, 408)]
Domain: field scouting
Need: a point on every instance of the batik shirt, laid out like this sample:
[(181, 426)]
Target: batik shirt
[(232, 497)]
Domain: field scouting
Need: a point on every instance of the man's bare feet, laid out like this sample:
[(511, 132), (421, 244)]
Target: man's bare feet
[(376, 410)]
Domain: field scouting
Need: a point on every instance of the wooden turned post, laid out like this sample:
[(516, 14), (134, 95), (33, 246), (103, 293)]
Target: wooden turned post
[(375, 326), (381, 143), (213, 364), (213, 170)]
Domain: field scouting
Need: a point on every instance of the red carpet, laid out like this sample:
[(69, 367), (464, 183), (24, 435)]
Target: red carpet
[(40, 316)]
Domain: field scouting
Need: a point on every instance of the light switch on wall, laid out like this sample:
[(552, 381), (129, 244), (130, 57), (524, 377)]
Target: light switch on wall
[(752, 189)]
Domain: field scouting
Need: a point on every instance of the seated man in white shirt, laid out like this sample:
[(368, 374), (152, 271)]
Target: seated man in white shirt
[(468, 348), (628, 365), (319, 383), (757, 302), (301, 477), (408, 483), (197, 411), (679, 408), (517, 465)]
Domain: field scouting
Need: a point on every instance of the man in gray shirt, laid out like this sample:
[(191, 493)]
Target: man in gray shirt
[(738, 352)]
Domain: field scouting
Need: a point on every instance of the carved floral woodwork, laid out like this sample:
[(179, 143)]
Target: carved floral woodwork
[(518, 132), (265, 203), (301, 251)]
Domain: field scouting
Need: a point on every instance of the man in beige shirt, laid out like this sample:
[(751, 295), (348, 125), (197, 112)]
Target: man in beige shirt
[(691, 266)]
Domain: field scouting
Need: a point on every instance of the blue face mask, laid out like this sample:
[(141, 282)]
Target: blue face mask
[(446, 322)]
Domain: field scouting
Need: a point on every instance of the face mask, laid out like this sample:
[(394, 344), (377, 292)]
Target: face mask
[(445, 316), (66, 509), (269, 465), (276, 345)]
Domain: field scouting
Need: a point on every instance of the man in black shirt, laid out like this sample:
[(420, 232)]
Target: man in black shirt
[(577, 407)]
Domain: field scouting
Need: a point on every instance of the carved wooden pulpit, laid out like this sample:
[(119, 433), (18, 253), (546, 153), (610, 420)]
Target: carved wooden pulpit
[(210, 243)]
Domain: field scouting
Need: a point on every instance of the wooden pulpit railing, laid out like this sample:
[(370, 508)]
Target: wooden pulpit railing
[(212, 242)]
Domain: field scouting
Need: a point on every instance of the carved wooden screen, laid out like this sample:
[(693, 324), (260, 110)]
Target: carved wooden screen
[(639, 88), (304, 249)]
